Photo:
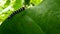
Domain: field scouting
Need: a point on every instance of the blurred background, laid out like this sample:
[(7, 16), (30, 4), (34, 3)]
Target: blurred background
[(7, 7)]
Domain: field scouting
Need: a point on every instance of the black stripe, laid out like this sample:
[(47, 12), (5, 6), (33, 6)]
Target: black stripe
[(16, 12)]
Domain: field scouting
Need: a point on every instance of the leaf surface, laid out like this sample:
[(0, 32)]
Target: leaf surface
[(42, 19)]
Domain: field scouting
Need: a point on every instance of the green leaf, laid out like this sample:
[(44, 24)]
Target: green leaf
[(18, 4), (7, 3), (27, 2), (43, 19), (36, 2), (23, 26)]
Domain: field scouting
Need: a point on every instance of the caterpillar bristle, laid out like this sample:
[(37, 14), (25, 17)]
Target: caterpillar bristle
[(16, 12)]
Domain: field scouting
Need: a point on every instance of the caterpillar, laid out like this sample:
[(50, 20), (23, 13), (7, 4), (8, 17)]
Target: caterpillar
[(16, 12)]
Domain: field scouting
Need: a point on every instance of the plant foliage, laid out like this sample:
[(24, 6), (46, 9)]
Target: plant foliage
[(41, 19)]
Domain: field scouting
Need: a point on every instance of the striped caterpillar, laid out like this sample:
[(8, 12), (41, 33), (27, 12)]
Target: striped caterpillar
[(16, 12)]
